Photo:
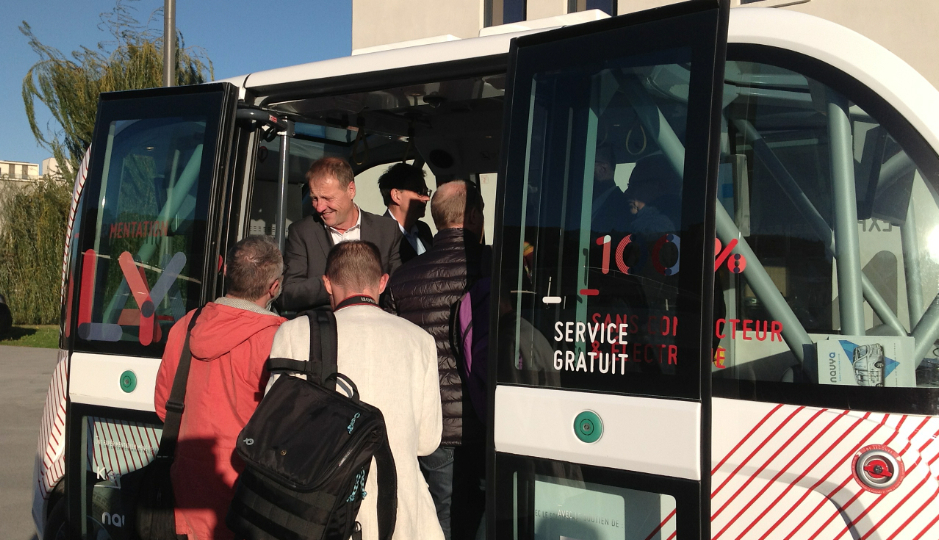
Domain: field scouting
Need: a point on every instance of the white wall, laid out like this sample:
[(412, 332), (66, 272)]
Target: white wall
[(380, 22), (906, 28)]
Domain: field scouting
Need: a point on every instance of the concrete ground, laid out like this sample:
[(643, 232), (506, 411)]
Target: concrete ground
[(24, 378)]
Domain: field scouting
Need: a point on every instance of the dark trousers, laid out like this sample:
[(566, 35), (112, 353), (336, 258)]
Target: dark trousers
[(456, 478)]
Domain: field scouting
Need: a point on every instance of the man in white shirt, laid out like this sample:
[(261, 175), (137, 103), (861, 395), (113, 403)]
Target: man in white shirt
[(336, 218), (393, 363), (405, 194)]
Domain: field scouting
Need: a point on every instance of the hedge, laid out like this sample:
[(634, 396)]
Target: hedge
[(32, 240)]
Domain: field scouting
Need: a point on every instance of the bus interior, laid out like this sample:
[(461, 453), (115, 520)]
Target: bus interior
[(808, 156)]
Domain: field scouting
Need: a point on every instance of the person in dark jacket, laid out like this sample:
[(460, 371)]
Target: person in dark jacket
[(423, 291), (405, 193)]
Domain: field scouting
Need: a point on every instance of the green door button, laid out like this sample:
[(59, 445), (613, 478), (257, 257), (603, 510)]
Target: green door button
[(588, 427), (128, 381)]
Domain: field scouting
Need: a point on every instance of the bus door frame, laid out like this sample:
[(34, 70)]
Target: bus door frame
[(701, 160)]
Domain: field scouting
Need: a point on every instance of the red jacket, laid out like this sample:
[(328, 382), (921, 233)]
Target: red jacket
[(227, 378)]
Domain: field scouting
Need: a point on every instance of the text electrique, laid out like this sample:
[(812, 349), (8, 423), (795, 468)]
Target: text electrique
[(612, 332)]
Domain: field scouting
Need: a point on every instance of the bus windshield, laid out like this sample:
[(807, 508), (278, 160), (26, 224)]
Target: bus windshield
[(144, 227)]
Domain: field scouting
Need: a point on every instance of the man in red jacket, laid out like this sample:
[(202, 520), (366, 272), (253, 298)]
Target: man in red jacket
[(230, 344)]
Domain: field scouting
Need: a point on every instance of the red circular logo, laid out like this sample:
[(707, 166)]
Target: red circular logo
[(878, 469)]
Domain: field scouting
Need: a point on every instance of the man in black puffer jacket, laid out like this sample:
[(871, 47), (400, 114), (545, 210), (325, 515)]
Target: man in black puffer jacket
[(423, 291)]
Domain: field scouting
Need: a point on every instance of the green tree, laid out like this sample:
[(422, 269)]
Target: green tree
[(69, 86), (32, 230)]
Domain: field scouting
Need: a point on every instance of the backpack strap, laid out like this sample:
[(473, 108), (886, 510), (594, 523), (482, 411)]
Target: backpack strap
[(455, 332), (387, 490), (323, 347), (176, 403), (286, 364)]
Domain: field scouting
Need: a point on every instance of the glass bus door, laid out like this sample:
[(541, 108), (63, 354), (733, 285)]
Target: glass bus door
[(604, 274), (149, 232)]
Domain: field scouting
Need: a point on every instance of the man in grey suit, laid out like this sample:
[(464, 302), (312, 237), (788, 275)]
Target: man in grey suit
[(335, 219)]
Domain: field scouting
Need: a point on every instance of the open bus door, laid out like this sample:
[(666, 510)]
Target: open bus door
[(600, 390), (152, 221)]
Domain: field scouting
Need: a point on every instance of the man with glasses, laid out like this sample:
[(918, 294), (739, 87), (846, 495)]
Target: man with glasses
[(405, 193)]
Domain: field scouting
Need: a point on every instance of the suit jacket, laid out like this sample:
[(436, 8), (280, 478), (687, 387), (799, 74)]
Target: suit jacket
[(308, 244), (423, 233)]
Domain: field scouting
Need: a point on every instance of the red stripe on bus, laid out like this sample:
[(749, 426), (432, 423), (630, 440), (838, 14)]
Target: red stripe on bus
[(896, 430), (659, 528), (819, 507), (114, 458), (754, 476), (857, 493), (121, 444), (134, 463), (142, 452), (852, 525), (928, 527), (745, 439), (99, 449), (754, 452), (154, 442), (926, 477), (830, 472), (895, 507), (912, 516), (837, 467), (766, 462), (805, 472)]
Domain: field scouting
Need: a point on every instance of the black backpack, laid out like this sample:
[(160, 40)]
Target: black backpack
[(307, 451)]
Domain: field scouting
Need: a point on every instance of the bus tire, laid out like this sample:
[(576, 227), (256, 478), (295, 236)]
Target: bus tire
[(57, 524)]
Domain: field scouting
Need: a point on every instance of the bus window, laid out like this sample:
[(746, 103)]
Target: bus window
[(834, 214), (310, 143), (140, 272), (594, 300)]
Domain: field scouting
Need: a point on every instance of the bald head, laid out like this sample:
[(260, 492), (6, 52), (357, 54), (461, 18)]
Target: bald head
[(457, 205)]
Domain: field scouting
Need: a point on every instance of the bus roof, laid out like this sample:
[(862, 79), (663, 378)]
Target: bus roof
[(871, 64)]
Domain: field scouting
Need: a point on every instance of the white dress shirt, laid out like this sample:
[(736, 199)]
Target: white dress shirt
[(352, 233), (412, 236)]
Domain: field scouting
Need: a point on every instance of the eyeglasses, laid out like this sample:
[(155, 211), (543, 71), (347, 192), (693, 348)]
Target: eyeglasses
[(423, 192)]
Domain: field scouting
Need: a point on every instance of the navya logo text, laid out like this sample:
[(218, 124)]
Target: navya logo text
[(735, 262), (115, 520)]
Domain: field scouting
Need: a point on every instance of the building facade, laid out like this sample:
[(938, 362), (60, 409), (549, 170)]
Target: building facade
[(19, 170), (904, 28)]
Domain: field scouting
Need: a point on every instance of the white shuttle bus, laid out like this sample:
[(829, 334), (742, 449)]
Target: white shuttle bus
[(743, 344)]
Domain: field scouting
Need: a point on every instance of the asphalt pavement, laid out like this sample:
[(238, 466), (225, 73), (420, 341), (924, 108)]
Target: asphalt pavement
[(25, 373)]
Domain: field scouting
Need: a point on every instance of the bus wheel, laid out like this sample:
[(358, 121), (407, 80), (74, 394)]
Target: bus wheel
[(56, 526)]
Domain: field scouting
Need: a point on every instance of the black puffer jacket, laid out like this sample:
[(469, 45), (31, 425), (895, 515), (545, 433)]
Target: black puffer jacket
[(423, 291)]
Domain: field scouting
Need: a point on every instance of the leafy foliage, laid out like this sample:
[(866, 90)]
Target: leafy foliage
[(32, 227), (69, 86)]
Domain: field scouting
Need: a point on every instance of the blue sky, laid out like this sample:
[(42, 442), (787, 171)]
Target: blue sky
[(238, 36)]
